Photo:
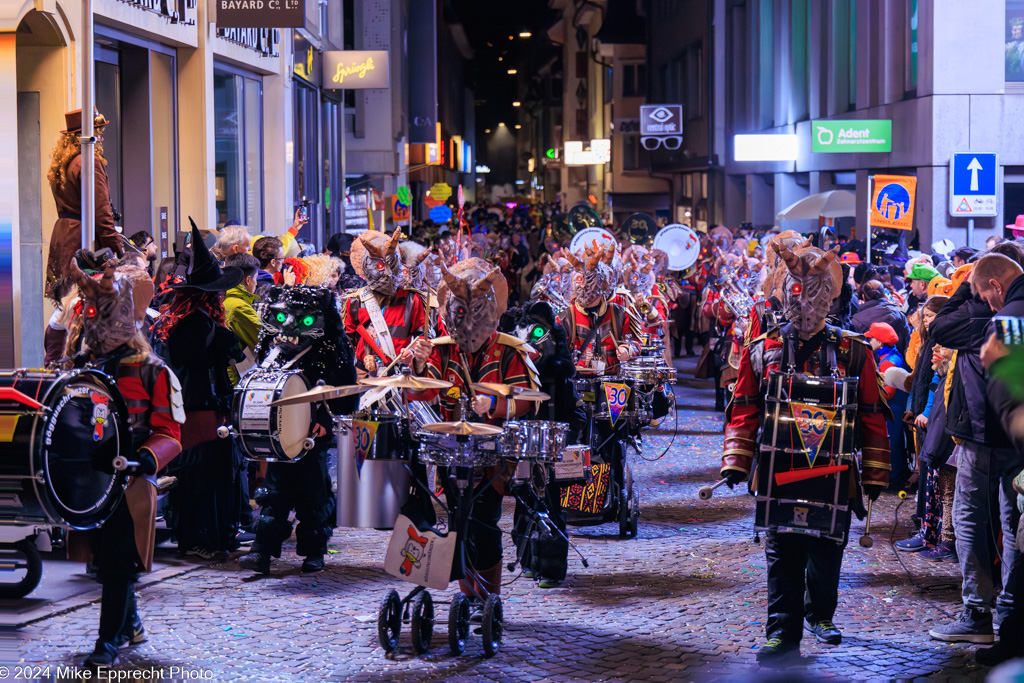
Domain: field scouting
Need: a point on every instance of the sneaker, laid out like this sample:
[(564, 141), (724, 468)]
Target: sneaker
[(204, 553), (776, 651), (103, 656), (914, 544), (826, 632), (972, 626), (313, 563), (549, 583), (257, 562), (133, 634), (992, 656), (943, 552), (244, 537)]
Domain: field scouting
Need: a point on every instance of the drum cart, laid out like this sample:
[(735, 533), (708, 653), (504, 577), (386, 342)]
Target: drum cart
[(417, 608), (622, 503)]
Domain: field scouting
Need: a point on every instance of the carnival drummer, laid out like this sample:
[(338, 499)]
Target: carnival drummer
[(597, 323), (472, 297), (382, 318), (302, 330), (123, 546), (801, 562)]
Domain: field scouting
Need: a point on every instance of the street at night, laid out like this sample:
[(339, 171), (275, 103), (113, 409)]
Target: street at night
[(512, 340)]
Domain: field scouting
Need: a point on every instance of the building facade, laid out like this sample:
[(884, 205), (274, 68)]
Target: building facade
[(223, 125)]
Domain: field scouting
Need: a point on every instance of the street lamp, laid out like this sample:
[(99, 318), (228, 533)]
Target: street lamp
[(516, 104), (512, 72), (525, 34), (518, 126), (487, 130)]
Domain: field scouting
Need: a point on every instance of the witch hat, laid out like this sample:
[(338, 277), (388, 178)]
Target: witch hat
[(203, 270)]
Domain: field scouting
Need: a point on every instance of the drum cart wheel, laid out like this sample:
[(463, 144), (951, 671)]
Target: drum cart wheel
[(18, 557), (493, 624), (389, 621), (634, 514), (458, 623), (422, 622)]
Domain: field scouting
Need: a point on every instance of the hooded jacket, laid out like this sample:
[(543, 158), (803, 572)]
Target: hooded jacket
[(962, 325)]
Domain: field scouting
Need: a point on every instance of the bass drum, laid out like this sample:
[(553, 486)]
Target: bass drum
[(272, 433), (59, 435)]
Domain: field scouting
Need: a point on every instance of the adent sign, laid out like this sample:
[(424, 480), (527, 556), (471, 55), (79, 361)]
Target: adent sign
[(851, 136), (259, 13)]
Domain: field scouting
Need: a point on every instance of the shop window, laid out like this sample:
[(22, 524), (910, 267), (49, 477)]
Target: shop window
[(1014, 41), (238, 116), (634, 80), (632, 152)]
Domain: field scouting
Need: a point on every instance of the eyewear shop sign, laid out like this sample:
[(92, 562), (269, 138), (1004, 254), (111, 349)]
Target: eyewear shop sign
[(851, 136), (355, 69), (259, 13)]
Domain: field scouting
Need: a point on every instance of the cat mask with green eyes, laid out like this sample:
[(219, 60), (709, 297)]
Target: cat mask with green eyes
[(294, 316), (472, 296)]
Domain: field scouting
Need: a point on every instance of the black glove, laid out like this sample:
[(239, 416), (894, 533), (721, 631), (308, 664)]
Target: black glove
[(872, 491), (147, 463), (733, 477)]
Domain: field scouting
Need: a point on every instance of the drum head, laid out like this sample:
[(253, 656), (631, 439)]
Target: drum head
[(294, 420), (86, 429)]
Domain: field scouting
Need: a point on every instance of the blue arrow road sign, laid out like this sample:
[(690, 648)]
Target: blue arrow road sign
[(972, 184)]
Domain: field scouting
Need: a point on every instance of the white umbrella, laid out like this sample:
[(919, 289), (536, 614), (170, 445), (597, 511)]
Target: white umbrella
[(831, 204)]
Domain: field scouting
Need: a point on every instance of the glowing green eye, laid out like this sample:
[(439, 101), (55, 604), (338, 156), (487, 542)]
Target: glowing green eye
[(308, 321), (281, 317), (538, 332)]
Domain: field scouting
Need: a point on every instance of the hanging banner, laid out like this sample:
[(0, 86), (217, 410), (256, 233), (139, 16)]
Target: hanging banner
[(892, 201), (422, 71), (812, 423), (617, 396), (363, 432), (399, 211), (258, 13), (441, 191), (355, 69)]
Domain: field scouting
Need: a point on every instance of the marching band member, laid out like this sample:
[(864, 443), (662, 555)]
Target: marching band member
[(302, 330), (800, 564), (382, 317), (472, 296), (123, 546)]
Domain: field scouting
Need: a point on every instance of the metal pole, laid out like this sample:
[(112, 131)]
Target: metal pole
[(341, 199), (868, 221), (970, 231), (88, 141)]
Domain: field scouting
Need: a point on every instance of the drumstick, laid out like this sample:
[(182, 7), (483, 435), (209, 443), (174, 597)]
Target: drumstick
[(706, 492), (866, 541)]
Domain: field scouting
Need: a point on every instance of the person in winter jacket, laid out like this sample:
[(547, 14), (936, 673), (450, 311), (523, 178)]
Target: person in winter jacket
[(986, 460), (876, 307), (883, 340)]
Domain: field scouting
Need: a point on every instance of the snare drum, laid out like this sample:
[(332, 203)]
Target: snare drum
[(648, 372), (373, 472), (535, 440), (54, 431), (266, 432), (448, 450)]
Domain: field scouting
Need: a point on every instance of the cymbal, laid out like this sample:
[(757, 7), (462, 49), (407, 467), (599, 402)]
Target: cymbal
[(508, 390), (324, 393), (463, 428), (406, 382)]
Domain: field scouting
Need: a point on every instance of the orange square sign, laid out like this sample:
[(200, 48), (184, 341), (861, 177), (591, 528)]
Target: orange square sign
[(892, 201)]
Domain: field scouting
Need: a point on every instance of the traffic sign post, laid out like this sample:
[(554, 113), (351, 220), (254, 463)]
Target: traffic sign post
[(973, 190)]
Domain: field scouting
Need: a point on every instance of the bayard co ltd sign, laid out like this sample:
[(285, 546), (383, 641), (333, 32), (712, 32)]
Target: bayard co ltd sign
[(260, 13), (355, 69)]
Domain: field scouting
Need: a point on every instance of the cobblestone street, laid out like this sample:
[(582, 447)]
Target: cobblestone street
[(685, 600)]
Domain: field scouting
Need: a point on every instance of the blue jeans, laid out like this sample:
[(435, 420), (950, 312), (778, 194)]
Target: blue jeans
[(984, 494)]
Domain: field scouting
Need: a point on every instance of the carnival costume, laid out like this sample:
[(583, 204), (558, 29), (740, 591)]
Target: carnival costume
[(807, 396), (123, 546), (301, 331)]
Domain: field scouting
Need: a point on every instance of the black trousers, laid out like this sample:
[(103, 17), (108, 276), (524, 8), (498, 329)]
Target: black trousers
[(481, 539), (803, 582), (303, 486), (118, 565)]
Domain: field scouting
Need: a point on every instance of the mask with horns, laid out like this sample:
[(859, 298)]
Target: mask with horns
[(812, 280), (375, 258), (594, 279), (472, 296), (108, 311)]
